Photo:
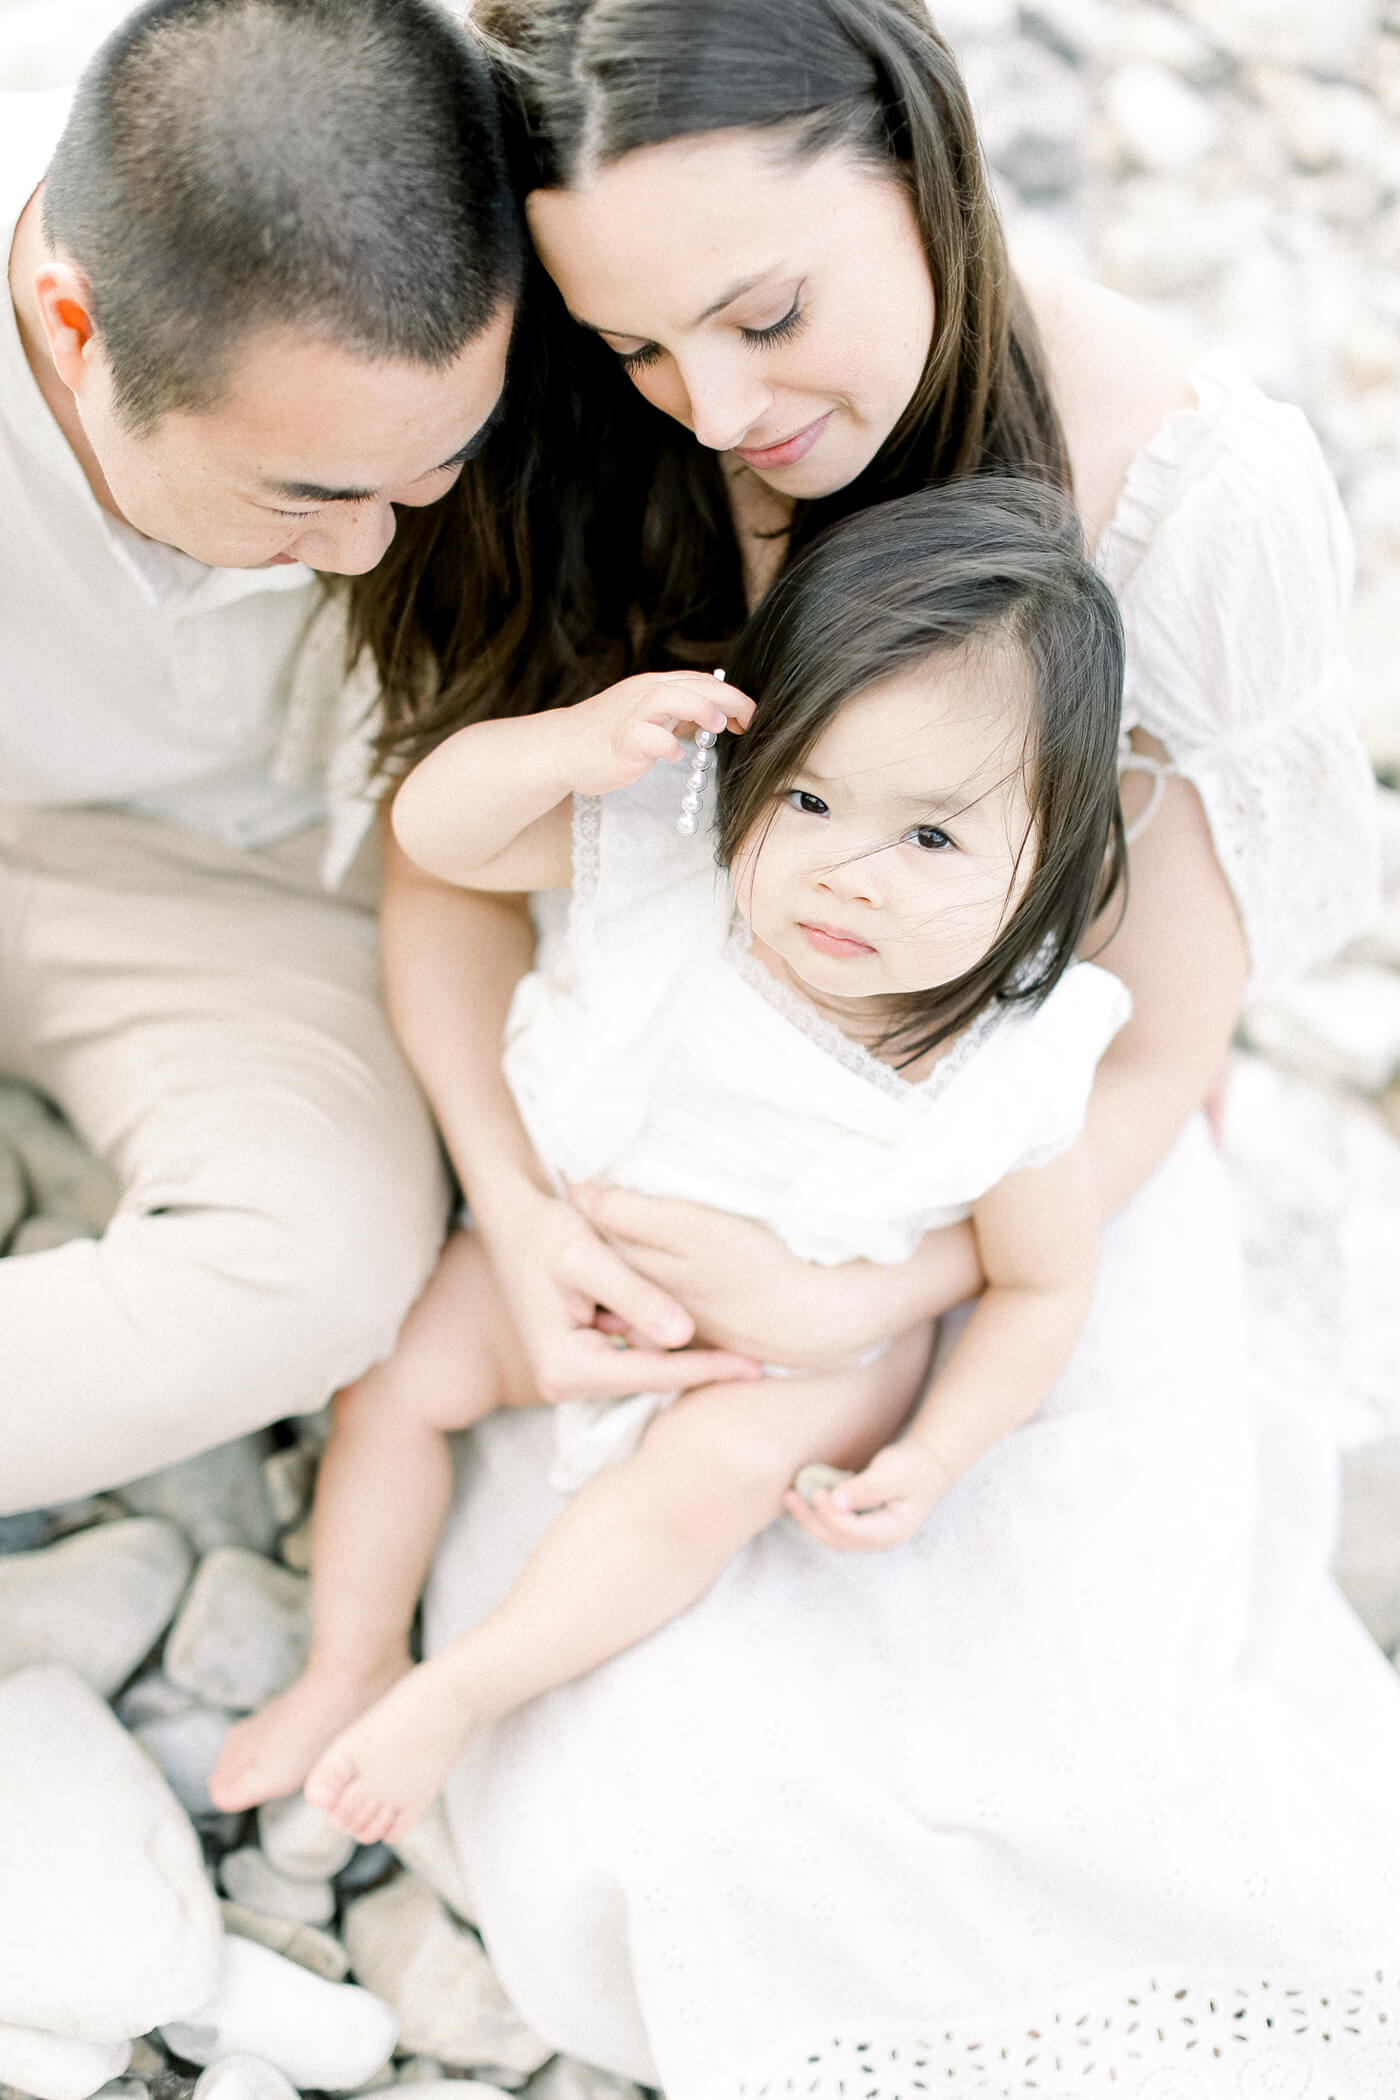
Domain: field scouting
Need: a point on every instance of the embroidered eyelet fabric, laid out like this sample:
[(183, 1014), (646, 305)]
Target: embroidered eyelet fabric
[(965, 1817), (1231, 561)]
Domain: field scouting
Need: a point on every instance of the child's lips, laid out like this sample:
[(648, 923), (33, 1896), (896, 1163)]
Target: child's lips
[(829, 940)]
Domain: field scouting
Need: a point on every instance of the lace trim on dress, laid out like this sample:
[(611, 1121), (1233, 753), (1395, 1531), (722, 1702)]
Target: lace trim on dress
[(805, 1018), (586, 834), (1153, 2039)]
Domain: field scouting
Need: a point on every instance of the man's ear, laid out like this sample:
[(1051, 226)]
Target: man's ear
[(65, 309)]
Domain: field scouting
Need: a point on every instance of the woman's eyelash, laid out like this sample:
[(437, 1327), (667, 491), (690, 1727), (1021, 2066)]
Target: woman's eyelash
[(778, 332)]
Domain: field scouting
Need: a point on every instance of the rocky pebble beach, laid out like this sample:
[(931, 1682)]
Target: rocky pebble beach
[(1234, 164)]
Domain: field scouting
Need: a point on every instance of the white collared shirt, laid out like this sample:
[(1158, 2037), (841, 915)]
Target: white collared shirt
[(130, 674)]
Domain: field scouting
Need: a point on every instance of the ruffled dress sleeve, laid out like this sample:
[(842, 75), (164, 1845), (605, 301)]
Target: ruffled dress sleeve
[(1231, 561)]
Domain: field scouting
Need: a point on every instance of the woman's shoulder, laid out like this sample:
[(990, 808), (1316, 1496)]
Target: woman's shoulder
[(1116, 374)]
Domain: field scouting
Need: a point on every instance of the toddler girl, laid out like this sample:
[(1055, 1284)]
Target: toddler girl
[(848, 1007)]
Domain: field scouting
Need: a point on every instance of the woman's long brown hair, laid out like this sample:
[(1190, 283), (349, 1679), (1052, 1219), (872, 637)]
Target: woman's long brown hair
[(592, 535)]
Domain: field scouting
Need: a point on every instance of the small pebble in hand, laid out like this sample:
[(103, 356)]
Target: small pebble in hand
[(811, 1478)]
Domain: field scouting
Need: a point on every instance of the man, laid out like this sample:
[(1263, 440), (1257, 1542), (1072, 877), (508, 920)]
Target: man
[(262, 290)]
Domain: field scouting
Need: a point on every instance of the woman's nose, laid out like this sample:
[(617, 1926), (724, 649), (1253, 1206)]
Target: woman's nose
[(349, 542), (727, 398)]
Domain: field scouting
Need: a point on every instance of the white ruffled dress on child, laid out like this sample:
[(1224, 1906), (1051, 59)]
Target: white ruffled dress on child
[(651, 1049)]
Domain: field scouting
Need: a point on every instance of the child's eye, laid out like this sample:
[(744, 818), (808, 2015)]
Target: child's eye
[(928, 837), (810, 805)]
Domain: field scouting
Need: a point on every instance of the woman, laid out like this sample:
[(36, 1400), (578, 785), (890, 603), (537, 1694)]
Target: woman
[(1104, 1735)]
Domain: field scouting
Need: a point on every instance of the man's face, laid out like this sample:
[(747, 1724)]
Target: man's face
[(305, 455)]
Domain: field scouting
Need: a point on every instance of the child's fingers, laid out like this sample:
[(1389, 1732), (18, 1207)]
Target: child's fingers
[(849, 1531)]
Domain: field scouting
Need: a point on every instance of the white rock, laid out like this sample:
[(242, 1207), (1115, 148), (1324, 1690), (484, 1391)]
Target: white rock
[(427, 1850), (14, 1193), (98, 1601), (152, 1697), (972, 21), (300, 1840), (1289, 32), (306, 1945), (403, 1944), (568, 2079), (146, 2061), (186, 1747), (53, 2067), (254, 1881), (108, 1924), (1161, 240), (65, 1180), (330, 2035), (1340, 1024), (455, 2089), (420, 2070), (242, 1633), (218, 1497), (1161, 124), (243, 2078)]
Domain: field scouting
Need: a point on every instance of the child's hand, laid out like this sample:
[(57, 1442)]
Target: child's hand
[(619, 734), (883, 1506)]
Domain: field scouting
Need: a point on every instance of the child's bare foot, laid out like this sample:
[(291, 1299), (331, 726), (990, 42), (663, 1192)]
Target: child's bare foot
[(380, 1774), (270, 1754)]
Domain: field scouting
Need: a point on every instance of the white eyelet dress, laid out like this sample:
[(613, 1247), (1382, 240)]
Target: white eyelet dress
[(1093, 1787)]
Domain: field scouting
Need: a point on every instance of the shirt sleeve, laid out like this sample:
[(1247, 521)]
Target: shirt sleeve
[(1232, 563)]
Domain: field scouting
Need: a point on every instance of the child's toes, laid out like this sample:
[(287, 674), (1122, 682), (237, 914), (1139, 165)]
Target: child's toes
[(329, 1778)]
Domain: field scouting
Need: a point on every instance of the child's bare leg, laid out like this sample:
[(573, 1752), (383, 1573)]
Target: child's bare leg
[(381, 1496), (633, 1549)]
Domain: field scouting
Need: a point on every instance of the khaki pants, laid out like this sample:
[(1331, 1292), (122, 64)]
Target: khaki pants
[(211, 1023)]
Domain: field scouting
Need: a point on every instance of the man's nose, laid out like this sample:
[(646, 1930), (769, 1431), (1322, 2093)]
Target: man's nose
[(351, 541)]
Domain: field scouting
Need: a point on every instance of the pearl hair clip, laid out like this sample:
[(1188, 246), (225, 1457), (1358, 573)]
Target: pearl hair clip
[(688, 822)]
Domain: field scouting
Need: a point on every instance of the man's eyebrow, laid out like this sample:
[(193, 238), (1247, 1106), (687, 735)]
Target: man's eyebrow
[(313, 492), (736, 291)]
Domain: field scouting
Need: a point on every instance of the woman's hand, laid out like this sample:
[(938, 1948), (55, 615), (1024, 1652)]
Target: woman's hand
[(745, 1289), (591, 1326)]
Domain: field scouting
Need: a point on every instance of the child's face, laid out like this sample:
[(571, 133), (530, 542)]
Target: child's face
[(899, 851)]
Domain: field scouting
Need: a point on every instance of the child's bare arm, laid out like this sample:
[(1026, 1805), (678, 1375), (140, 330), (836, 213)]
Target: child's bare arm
[(1037, 1233), (489, 809)]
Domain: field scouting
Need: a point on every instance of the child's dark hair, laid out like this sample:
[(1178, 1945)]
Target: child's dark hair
[(987, 561)]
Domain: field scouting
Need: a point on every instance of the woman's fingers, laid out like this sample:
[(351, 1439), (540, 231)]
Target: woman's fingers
[(643, 1221), (592, 1269)]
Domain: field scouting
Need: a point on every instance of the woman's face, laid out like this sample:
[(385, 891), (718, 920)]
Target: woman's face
[(780, 308)]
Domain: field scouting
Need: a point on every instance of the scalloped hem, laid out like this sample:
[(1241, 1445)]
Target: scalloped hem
[(1142, 2038)]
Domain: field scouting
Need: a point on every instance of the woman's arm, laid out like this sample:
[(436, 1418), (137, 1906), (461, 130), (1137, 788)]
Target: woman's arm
[(1037, 1233), (452, 959), (1180, 951)]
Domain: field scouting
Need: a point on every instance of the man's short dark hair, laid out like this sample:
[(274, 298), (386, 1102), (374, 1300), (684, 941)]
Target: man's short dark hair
[(336, 166)]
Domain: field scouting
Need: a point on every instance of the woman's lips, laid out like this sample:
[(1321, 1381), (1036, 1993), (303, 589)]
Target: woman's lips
[(828, 942), (789, 451)]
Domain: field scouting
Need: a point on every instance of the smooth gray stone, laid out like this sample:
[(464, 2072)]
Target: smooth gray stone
[(450, 2005), (306, 1945), (242, 1632), (332, 2036), (64, 1177), (98, 1601), (253, 1881), (290, 1475), (152, 1697), (569, 2079), (1367, 1561), (301, 1840), (53, 2066), (127, 2088), (186, 1747), (43, 1232), (14, 1193), (218, 1497), (370, 1865), (108, 1924)]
